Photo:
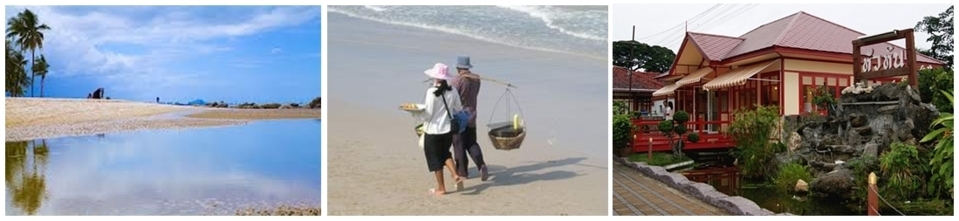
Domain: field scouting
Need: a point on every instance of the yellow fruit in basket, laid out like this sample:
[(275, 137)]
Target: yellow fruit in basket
[(516, 122)]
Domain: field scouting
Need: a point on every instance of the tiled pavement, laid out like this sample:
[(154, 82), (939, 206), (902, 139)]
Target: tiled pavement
[(634, 194)]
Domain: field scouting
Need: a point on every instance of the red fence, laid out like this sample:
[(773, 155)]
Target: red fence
[(648, 136)]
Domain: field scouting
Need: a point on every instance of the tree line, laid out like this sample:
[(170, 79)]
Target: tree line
[(25, 34)]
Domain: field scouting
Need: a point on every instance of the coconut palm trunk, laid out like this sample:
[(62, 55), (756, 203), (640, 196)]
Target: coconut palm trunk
[(33, 73)]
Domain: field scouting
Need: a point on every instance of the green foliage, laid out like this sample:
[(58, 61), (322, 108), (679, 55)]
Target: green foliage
[(26, 31), (640, 56), (41, 68), (619, 107), (659, 159), (622, 131), (942, 159), (752, 129), (666, 127), (931, 83), (861, 167), (903, 170), (316, 102), (940, 33), (789, 173), (693, 137), (823, 97), (681, 117), (16, 80)]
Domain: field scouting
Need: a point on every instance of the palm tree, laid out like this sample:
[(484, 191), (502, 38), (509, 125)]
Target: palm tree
[(41, 68), (16, 75), (28, 31)]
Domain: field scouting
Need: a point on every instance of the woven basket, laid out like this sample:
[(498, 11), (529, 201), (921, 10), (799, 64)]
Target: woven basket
[(507, 143)]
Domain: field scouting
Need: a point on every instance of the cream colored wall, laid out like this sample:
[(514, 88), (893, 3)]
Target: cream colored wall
[(820, 67), (790, 93)]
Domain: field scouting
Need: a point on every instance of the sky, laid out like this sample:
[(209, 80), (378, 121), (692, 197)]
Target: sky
[(223, 53), (663, 24)]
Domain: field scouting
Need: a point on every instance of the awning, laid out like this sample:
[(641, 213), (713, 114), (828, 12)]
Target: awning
[(694, 77), (736, 77), (666, 90)]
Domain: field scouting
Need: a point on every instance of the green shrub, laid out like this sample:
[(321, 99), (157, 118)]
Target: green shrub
[(931, 83), (902, 170), (270, 106), (861, 168), (659, 159), (316, 102), (619, 107), (622, 131), (752, 129), (941, 163), (789, 173), (693, 137)]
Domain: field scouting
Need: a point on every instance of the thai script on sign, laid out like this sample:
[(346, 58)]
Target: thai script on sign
[(882, 62)]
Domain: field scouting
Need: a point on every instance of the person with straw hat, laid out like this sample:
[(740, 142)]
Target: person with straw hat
[(468, 85), (440, 102)]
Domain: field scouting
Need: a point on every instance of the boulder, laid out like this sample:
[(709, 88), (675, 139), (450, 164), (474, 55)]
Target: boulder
[(837, 183), (858, 120), (795, 141), (801, 186)]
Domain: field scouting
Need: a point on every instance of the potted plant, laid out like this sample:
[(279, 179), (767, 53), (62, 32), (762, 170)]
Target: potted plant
[(622, 134), (824, 99)]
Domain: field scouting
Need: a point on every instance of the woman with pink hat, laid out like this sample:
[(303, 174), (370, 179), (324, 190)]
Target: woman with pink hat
[(440, 103)]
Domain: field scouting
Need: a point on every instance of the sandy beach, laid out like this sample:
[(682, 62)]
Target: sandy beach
[(36, 118), (376, 168)]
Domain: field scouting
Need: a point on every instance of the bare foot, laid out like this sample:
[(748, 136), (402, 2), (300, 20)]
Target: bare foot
[(485, 174), (459, 183), (437, 192)]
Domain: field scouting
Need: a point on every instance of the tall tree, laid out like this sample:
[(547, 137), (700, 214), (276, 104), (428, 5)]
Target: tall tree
[(15, 71), (641, 56), (940, 29), (41, 68), (28, 31)]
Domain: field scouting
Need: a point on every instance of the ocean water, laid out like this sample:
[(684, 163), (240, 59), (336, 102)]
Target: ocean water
[(196, 171), (564, 29)]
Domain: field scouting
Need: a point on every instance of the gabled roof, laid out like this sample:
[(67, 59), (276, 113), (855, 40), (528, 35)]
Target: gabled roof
[(800, 31), (641, 80), (714, 47)]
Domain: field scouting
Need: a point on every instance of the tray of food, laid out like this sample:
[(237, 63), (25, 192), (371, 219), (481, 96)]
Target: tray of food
[(411, 107)]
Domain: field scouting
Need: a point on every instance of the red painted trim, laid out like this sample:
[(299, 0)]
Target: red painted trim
[(819, 60), (679, 55)]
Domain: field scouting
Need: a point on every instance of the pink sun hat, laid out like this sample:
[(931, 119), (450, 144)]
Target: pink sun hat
[(439, 71)]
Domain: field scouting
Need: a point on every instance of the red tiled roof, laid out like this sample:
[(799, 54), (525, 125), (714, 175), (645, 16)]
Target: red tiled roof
[(801, 31), (715, 47), (641, 80)]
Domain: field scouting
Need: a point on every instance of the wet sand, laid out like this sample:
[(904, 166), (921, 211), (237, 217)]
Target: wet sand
[(376, 168), (36, 118)]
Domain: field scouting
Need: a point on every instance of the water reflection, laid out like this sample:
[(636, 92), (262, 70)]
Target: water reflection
[(203, 171), (24, 174), (727, 180)]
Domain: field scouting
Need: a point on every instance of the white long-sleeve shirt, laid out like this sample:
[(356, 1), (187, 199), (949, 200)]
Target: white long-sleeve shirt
[(434, 116)]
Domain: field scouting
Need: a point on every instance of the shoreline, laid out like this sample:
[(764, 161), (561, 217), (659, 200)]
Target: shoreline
[(46, 118)]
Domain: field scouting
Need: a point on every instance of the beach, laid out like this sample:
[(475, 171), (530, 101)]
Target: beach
[(37, 118), (376, 167)]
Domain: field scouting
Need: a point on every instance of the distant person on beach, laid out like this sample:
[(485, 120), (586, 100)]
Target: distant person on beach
[(441, 101), (158, 100), (468, 85)]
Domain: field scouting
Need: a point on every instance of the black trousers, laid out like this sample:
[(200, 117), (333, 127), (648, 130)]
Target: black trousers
[(437, 150), (463, 144)]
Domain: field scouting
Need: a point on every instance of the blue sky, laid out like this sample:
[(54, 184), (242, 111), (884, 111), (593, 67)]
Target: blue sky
[(228, 53)]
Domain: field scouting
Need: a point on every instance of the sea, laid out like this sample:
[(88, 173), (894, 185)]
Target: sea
[(563, 29)]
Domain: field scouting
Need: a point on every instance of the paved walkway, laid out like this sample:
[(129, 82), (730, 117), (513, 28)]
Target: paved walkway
[(635, 194)]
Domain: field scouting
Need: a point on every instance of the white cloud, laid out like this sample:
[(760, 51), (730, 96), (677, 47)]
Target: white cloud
[(276, 51), (97, 42)]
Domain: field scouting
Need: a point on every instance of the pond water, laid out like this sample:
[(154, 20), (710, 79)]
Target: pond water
[(198, 171), (770, 198)]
